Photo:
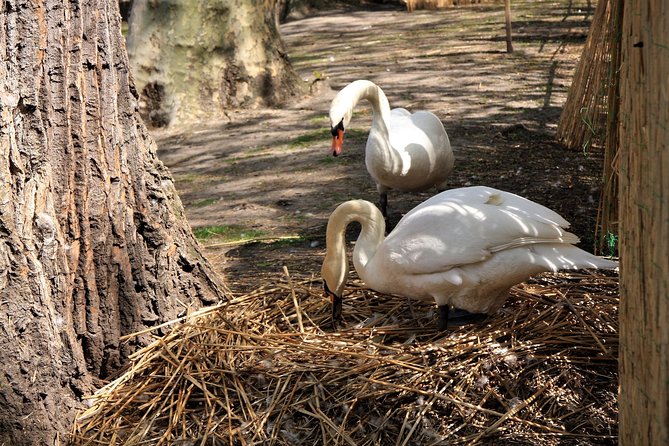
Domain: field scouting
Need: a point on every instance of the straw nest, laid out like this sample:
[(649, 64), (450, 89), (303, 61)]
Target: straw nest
[(266, 368)]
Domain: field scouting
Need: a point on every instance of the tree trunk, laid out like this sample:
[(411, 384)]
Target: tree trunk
[(644, 225), (194, 59), (94, 243)]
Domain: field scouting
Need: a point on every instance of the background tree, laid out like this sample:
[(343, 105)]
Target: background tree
[(94, 243), (193, 59), (644, 224)]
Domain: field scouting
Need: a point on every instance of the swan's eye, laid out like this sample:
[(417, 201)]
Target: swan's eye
[(335, 129)]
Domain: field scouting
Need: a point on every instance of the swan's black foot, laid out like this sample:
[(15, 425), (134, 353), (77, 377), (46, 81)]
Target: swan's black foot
[(442, 322), (457, 317), (383, 205)]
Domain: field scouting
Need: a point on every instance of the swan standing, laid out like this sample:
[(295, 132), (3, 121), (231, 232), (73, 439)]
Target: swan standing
[(407, 152), (463, 248)]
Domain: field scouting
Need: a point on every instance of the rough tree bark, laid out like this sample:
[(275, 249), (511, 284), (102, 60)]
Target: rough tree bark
[(94, 243), (644, 224), (194, 59)]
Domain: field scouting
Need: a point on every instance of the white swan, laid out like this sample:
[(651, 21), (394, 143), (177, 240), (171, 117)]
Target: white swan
[(407, 152), (463, 248)]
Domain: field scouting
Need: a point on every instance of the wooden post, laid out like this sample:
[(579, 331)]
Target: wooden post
[(644, 224), (507, 19)]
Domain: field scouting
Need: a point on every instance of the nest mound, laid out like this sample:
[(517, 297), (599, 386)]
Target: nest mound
[(266, 368)]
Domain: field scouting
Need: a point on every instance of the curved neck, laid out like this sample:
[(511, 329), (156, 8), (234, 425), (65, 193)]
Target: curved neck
[(346, 100), (335, 264)]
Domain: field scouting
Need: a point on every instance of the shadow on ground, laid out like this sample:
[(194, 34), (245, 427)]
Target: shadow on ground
[(270, 171)]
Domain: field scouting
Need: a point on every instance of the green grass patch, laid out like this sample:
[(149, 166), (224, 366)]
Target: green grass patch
[(256, 149), (328, 160), (187, 178), (227, 233), (287, 242), (356, 132), (320, 136), (204, 202), (319, 120)]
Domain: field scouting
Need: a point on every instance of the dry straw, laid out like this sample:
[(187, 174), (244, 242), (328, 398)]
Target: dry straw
[(267, 369), (589, 118), (582, 123)]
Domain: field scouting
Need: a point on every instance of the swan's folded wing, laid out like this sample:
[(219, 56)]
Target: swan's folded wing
[(520, 206), (479, 196), (468, 226), (421, 129), (424, 254), (428, 121), (399, 112)]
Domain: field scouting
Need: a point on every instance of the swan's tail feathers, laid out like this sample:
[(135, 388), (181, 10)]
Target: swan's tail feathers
[(557, 257)]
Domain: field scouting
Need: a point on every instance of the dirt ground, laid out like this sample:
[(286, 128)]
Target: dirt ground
[(269, 173)]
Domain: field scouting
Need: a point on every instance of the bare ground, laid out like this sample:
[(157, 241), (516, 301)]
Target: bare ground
[(269, 172)]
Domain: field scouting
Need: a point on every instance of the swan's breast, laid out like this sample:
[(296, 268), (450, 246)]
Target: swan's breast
[(416, 154)]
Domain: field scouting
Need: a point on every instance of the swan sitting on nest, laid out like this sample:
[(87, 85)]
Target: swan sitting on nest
[(407, 152), (463, 248)]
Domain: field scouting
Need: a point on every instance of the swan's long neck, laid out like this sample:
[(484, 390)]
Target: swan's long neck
[(346, 100), (335, 264)]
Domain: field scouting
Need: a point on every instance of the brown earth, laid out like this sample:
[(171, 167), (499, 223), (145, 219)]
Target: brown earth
[(270, 174)]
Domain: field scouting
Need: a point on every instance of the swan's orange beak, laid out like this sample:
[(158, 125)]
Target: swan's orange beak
[(337, 142)]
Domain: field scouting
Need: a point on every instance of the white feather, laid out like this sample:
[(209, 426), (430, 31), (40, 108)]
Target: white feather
[(463, 247), (404, 151)]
